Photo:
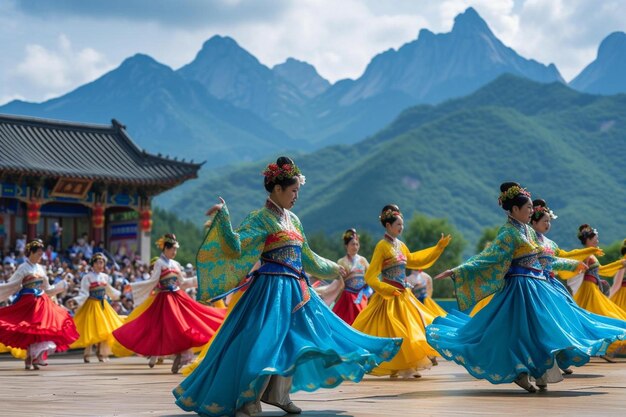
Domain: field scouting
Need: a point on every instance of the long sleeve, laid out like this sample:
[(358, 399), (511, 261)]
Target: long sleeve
[(374, 271), (577, 254), (483, 274), (141, 290), (113, 293), (51, 290), (225, 256), (611, 269), (565, 264), (425, 258), (83, 293), (12, 285)]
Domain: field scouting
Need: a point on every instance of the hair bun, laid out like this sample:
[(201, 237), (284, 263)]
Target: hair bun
[(506, 185), (583, 226)]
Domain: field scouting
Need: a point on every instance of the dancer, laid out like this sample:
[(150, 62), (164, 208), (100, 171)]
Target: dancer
[(541, 221), (95, 319), (173, 323), (34, 322), (393, 310), (589, 296), (280, 337), (529, 326), (348, 296)]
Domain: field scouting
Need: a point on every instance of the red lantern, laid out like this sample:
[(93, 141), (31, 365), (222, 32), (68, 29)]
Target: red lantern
[(97, 218), (33, 211), (145, 220)]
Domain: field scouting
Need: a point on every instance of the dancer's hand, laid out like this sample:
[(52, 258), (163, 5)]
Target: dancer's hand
[(445, 274), (397, 293), (582, 267), (599, 252), (216, 207)]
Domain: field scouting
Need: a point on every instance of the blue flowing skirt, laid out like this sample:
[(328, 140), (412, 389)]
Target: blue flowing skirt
[(526, 327), (262, 336)]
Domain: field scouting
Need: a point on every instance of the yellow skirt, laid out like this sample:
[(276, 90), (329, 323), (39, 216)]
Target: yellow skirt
[(116, 348), (402, 316), (619, 298), (592, 299), (95, 321), (480, 305), (15, 352), (432, 305)]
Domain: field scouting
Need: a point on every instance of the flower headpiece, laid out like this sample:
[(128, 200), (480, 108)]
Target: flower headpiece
[(587, 232), (168, 238), (33, 245), (350, 234), (539, 210), (275, 172), (97, 256), (511, 193), (389, 215)]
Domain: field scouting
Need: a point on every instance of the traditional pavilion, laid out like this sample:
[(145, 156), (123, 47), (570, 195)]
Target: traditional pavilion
[(83, 178)]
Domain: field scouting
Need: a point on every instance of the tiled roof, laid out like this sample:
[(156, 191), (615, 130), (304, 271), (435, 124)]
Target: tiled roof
[(56, 148)]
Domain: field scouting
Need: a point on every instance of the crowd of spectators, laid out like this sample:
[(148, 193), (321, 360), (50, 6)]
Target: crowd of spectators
[(72, 263)]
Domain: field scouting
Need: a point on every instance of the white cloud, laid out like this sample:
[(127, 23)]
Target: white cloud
[(338, 38), (55, 70), (567, 33)]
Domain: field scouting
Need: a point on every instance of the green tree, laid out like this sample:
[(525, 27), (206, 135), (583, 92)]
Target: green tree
[(187, 233), (422, 232), (612, 252), (488, 235)]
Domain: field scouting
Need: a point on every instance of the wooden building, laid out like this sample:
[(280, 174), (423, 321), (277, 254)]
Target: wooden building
[(81, 178)]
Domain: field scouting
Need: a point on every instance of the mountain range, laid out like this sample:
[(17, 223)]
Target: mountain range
[(448, 160), (225, 106)]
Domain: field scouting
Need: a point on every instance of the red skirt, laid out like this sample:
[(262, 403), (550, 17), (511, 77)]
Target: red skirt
[(36, 319), (346, 308), (173, 323)]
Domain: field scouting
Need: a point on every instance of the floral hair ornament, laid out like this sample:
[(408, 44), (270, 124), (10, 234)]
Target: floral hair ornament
[(274, 172), (511, 193), (539, 210), (33, 245), (350, 234), (96, 257), (587, 232), (168, 238), (389, 215)]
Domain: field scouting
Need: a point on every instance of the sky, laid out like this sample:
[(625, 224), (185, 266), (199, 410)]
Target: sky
[(51, 47)]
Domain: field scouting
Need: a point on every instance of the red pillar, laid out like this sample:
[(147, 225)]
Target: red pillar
[(33, 214), (97, 222)]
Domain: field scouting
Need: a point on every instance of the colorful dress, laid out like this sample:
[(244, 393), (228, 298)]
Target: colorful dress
[(348, 296), (95, 319), (551, 250), (528, 326), (34, 321), (402, 316), (590, 297), (280, 327), (173, 322)]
